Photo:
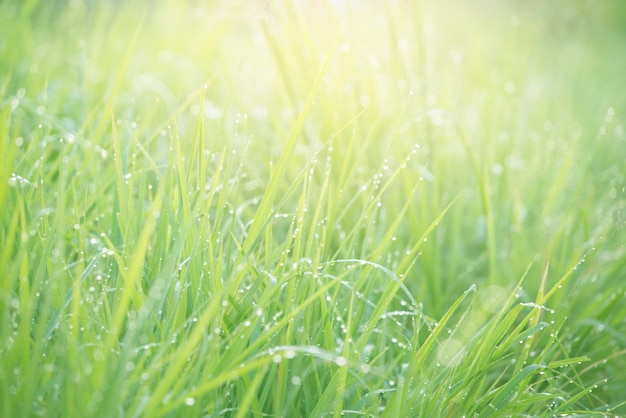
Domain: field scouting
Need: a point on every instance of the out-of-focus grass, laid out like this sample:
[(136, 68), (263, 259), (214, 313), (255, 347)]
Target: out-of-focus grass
[(312, 208)]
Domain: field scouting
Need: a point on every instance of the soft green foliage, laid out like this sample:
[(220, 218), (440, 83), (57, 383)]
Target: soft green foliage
[(312, 208)]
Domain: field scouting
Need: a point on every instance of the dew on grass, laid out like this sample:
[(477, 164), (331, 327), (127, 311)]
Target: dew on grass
[(535, 306), (15, 179), (189, 401)]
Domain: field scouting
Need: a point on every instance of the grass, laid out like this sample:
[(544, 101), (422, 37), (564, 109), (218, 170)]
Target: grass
[(293, 209)]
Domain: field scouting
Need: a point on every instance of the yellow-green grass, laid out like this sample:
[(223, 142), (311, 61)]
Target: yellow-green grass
[(303, 208)]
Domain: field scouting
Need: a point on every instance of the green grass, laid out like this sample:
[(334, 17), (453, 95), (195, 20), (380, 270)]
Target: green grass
[(303, 209)]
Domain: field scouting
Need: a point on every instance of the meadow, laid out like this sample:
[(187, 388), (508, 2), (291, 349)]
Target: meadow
[(312, 208)]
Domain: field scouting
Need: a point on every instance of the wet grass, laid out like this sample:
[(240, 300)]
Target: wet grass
[(384, 209)]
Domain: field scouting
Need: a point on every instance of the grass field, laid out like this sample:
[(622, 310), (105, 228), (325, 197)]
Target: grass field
[(312, 208)]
